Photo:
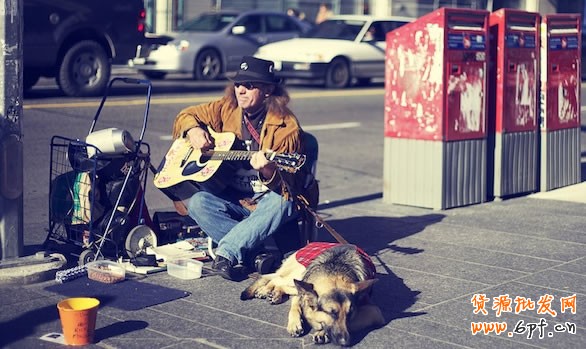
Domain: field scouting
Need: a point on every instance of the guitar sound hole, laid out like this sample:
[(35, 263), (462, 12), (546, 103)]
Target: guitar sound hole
[(191, 168)]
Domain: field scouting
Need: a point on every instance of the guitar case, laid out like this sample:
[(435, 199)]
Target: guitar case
[(171, 226)]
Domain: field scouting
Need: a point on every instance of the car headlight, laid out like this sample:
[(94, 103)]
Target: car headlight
[(314, 57), (181, 45)]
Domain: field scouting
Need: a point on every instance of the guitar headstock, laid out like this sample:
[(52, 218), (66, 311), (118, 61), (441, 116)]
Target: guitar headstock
[(290, 162)]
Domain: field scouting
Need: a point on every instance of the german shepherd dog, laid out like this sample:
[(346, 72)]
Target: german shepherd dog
[(330, 286)]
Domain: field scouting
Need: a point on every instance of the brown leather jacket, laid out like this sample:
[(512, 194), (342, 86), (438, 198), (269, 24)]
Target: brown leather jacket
[(280, 133)]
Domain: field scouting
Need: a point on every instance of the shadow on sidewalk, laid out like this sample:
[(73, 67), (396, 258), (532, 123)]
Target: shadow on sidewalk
[(377, 236), (25, 325)]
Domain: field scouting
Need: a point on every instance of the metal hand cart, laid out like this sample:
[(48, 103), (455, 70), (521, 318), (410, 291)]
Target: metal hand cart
[(96, 196)]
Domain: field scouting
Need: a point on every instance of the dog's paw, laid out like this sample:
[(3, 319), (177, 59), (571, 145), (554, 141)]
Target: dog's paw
[(264, 292), (295, 327), (278, 297), (321, 337)]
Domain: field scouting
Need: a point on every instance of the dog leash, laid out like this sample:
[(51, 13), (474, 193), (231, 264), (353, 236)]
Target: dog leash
[(320, 222), (302, 201)]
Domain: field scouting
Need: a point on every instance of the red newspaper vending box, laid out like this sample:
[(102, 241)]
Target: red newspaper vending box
[(560, 100), (513, 108), (435, 110)]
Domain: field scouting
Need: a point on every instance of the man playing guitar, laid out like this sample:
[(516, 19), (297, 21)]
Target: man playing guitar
[(255, 202)]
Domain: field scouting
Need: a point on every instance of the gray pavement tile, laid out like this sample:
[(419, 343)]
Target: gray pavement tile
[(253, 343), (20, 321), (156, 342), (183, 319), (477, 255), (189, 324), (459, 309), (526, 221), (504, 241), (388, 337), (578, 266), (376, 207), (450, 267), (433, 288), (128, 326), (558, 280), (535, 292), (15, 295), (395, 299), (562, 208), (460, 313), (446, 332)]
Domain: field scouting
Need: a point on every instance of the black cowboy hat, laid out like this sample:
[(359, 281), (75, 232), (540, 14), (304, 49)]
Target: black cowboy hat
[(254, 69)]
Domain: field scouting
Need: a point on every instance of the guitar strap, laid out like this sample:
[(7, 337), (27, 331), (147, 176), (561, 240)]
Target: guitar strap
[(252, 130)]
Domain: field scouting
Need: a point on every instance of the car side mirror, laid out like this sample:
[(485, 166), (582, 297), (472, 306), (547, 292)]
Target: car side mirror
[(238, 30)]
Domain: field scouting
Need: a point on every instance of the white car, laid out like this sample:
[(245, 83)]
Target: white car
[(338, 50)]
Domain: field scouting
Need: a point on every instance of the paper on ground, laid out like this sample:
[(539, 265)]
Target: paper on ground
[(180, 249)]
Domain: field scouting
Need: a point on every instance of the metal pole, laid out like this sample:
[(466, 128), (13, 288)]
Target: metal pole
[(11, 149)]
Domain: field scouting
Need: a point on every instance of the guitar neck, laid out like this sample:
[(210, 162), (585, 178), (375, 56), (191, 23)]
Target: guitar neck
[(228, 155)]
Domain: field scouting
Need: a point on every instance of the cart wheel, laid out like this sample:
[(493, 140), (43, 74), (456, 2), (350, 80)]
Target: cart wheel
[(138, 239), (85, 257)]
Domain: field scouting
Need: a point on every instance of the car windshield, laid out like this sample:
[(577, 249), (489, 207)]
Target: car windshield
[(336, 29), (209, 22)]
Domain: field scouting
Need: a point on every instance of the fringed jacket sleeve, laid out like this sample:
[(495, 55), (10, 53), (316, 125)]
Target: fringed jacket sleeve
[(199, 116)]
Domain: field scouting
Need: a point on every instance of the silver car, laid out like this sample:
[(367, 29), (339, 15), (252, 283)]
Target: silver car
[(214, 43)]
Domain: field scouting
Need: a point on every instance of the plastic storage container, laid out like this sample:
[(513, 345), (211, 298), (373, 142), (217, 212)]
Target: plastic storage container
[(106, 271), (184, 268)]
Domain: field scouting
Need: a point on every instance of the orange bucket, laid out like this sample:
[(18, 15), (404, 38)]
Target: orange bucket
[(78, 319)]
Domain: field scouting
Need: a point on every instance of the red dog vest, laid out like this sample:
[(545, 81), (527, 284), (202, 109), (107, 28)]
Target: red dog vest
[(309, 252)]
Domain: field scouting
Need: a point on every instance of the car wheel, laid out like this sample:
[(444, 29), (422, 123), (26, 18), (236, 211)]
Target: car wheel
[(208, 65), (85, 70), (338, 74), (29, 79), (154, 75)]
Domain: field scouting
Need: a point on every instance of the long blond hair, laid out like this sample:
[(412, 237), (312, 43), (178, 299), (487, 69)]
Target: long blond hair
[(276, 103)]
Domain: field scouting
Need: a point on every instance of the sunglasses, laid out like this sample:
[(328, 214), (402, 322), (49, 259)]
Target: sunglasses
[(247, 85)]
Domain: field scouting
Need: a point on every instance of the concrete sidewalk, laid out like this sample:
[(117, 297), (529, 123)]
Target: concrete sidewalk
[(431, 264)]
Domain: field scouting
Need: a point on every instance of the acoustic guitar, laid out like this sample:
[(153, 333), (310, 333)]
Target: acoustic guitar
[(184, 163)]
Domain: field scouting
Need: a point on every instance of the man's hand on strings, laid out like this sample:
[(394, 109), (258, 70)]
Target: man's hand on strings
[(259, 162), (200, 139)]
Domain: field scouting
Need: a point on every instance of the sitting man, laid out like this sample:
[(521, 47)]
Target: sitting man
[(255, 203)]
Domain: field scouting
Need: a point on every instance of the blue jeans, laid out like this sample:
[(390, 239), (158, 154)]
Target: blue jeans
[(235, 229)]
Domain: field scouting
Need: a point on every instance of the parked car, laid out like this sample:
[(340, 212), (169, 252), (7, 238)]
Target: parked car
[(214, 43), (338, 50), (77, 41), (152, 41)]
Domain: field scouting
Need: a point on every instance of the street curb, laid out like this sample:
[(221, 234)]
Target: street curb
[(30, 274)]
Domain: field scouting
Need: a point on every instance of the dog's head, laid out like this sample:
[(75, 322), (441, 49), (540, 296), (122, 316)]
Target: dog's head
[(330, 305)]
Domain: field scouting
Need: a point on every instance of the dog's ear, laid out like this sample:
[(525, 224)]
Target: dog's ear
[(363, 287), (304, 287), (307, 295)]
